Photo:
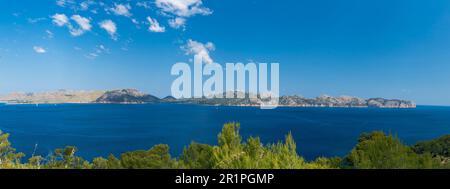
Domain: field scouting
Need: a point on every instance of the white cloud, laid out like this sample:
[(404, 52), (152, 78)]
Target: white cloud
[(49, 34), (36, 20), (39, 50), (154, 25), (91, 56), (84, 6), (177, 22), (98, 50), (64, 3), (135, 21), (183, 8), (110, 27), (84, 24), (143, 4), (76, 5), (199, 49), (101, 49), (121, 10), (60, 19)]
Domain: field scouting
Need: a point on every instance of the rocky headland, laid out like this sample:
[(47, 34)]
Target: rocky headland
[(133, 96)]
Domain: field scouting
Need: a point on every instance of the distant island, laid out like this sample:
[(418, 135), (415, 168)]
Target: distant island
[(133, 96)]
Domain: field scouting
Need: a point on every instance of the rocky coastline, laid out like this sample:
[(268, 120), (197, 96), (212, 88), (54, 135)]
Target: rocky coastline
[(133, 96)]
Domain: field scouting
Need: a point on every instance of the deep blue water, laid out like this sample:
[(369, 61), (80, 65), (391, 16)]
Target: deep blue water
[(98, 130)]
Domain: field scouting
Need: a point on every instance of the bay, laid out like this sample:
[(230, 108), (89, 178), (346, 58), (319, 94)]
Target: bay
[(103, 129)]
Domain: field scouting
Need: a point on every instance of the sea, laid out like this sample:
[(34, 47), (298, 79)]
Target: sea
[(103, 129)]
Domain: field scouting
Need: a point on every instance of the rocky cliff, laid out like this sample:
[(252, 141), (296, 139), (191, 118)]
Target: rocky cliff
[(344, 101), (133, 96), (298, 101)]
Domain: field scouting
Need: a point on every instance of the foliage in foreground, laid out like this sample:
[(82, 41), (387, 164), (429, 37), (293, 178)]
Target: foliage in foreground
[(375, 150), (378, 151), (438, 148)]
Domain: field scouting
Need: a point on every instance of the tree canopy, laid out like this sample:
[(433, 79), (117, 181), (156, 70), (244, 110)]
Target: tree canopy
[(374, 150)]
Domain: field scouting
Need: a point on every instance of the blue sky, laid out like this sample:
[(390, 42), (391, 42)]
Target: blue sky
[(384, 48)]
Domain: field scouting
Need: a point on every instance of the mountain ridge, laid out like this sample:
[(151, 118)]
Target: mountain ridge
[(134, 96)]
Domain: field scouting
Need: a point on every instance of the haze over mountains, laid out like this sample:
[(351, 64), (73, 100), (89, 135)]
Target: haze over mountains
[(133, 96), (53, 97)]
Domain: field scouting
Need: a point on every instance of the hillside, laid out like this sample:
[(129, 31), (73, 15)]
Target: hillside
[(126, 96), (133, 96), (298, 101), (52, 97)]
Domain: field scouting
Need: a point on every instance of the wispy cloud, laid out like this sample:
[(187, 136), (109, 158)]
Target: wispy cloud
[(49, 34), (199, 49), (39, 49), (98, 50), (144, 4), (183, 8), (179, 10), (83, 24), (121, 9), (64, 3), (154, 25), (177, 22), (85, 5), (60, 19), (36, 20), (110, 27)]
